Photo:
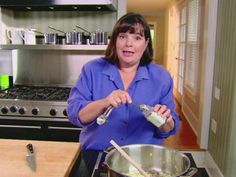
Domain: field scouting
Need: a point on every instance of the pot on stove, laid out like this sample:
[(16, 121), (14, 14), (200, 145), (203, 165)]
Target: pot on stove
[(164, 161)]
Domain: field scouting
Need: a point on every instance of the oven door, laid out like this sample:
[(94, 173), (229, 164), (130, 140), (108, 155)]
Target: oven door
[(38, 129)]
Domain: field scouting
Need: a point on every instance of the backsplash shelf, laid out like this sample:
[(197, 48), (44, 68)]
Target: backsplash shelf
[(54, 47)]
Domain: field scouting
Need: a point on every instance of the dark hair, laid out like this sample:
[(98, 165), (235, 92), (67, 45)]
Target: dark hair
[(130, 22)]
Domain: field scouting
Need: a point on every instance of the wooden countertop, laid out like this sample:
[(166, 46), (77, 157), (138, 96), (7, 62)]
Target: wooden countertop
[(52, 158)]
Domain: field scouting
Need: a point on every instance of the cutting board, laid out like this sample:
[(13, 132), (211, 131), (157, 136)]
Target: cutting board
[(52, 158)]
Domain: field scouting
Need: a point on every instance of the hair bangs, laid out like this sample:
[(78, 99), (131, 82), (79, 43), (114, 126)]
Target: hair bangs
[(135, 28)]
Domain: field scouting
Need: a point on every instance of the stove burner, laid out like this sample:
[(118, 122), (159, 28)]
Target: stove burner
[(36, 93)]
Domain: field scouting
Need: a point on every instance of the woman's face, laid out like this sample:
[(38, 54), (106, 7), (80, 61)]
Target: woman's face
[(130, 48)]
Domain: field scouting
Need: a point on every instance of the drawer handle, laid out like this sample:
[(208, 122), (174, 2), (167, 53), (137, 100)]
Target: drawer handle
[(63, 128), (20, 126)]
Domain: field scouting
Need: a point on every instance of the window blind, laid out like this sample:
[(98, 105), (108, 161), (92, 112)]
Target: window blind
[(192, 48)]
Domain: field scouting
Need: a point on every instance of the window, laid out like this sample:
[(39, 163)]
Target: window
[(192, 50), (182, 47)]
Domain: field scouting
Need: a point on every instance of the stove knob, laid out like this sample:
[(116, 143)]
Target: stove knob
[(35, 111), (53, 112), (13, 109), (22, 110), (64, 112), (4, 109)]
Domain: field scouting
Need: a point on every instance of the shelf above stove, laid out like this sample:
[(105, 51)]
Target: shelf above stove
[(54, 47)]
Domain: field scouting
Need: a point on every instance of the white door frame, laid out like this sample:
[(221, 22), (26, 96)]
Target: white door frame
[(205, 97)]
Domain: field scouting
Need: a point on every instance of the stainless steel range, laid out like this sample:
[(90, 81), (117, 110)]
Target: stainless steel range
[(30, 112), (34, 104), (37, 102)]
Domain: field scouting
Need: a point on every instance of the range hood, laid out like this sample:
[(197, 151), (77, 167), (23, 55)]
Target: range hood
[(59, 5)]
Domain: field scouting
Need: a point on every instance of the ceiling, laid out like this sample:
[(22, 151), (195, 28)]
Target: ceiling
[(147, 7)]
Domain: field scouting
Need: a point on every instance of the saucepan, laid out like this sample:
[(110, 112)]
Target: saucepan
[(71, 37), (96, 38), (50, 38), (165, 162), (54, 38), (85, 35)]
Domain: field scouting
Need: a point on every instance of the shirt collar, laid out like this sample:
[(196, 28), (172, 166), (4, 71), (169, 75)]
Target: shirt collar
[(113, 73), (142, 73)]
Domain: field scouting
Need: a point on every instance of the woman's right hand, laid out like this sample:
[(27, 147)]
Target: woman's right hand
[(118, 97)]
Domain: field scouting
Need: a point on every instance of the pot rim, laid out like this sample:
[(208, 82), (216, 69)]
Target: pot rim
[(112, 151)]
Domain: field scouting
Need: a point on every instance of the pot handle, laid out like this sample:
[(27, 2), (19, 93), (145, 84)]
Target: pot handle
[(192, 171), (108, 149)]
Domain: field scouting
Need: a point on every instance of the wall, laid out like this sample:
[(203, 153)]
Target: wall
[(222, 144), (50, 67), (171, 38), (230, 171)]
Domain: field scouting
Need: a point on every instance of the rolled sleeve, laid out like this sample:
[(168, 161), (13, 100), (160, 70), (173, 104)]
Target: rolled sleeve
[(80, 96), (163, 135), (168, 100)]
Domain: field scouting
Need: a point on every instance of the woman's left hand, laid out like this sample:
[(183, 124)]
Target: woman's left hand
[(164, 112)]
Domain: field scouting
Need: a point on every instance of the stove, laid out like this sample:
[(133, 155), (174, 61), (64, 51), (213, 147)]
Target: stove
[(90, 164), (34, 101), (36, 113)]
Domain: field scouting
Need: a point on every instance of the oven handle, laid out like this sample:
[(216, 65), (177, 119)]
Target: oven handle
[(63, 128), (20, 126)]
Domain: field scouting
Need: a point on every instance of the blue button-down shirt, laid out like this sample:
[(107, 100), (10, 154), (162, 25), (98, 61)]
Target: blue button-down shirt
[(126, 124)]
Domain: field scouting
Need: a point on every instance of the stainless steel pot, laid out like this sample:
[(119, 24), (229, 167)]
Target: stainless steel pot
[(100, 38), (40, 39), (96, 38), (54, 38), (151, 157), (50, 38)]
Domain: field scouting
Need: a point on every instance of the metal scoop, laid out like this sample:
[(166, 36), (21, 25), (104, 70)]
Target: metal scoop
[(103, 117)]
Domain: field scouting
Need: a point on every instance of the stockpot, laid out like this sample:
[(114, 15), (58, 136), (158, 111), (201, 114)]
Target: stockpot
[(165, 161)]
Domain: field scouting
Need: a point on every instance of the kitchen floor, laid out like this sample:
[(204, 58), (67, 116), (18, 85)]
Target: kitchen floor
[(185, 139)]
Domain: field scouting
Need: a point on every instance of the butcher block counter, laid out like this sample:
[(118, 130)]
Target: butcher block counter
[(52, 158)]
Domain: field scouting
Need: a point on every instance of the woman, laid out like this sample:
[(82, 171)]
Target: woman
[(123, 76)]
